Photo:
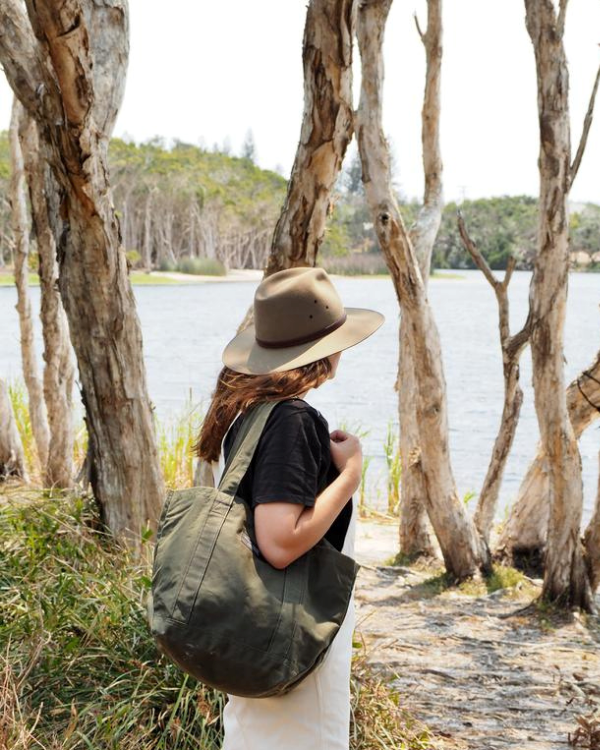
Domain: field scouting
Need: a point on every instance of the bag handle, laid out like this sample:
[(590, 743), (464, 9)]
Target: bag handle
[(244, 446)]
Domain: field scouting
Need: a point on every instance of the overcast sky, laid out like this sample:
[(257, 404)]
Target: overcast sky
[(208, 71)]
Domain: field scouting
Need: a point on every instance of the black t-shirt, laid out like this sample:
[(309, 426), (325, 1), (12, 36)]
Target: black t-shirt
[(292, 462)]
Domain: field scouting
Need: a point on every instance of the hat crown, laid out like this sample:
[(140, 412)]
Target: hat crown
[(296, 305)]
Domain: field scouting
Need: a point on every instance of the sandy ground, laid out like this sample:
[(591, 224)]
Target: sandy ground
[(479, 670), (235, 274)]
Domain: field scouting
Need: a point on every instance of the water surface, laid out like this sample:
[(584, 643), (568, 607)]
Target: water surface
[(185, 329)]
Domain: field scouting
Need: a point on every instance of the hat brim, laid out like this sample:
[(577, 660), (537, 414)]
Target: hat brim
[(243, 354)]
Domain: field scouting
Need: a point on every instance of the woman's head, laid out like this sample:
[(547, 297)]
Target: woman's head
[(298, 316), (237, 391), (294, 343)]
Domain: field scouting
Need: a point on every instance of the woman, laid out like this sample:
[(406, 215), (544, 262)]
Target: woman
[(299, 483)]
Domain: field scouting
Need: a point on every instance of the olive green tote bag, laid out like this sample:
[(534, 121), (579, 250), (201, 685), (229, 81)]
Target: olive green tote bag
[(219, 610)]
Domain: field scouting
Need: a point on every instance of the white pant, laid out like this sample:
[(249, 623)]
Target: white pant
[(313, 716)]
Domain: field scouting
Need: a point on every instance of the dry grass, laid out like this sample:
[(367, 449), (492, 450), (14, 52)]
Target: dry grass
[(378, 720)]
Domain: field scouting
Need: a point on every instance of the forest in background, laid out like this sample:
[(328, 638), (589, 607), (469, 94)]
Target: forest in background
[(183, 202)]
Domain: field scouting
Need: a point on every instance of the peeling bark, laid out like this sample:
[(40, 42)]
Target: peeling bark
[(415, 538), (326, 131), (59, 370), (20, 227), (74, 95), (565, 581), (523, 539), (462, 549)]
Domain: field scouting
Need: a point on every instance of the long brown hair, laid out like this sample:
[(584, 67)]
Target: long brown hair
[(236, 391)]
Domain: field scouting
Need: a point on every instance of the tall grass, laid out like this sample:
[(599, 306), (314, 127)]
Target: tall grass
[(20, 404), (176, 435), (78, 667), (394, 465), (82, 667), (362, 502), (175, 440)]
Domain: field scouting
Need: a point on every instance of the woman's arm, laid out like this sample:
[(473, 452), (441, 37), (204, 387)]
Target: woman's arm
[(285, 531)]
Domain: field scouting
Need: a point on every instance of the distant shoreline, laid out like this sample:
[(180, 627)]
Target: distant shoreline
[(175, 278)]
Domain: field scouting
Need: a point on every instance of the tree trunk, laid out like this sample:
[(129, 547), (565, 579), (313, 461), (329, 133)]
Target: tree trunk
[(523, 539), (12, 457), (591, 540), (59, 370), (324, 137), (79, 60), (147, 241), (327, 128), (20, 227), (461, 547), (415, 539), (565, 580)]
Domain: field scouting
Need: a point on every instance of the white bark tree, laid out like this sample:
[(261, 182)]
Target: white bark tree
[(463, 550), (59, 362), (415, 538), (327, 127), (523, 538), (566, 581), (20, 227), (66, 62)]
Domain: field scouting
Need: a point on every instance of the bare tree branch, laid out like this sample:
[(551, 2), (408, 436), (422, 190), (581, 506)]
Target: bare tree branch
[(21, 56), (419, 31), (562, 15), (587, 124), (513, 395), (510, 267), (475, 252)]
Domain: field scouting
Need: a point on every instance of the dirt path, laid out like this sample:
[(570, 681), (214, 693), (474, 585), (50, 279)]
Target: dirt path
[(473, 667)]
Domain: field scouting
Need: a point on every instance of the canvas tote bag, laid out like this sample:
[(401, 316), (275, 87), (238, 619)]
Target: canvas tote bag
[(219, 610)]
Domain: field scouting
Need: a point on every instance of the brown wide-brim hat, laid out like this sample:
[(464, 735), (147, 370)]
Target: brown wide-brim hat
[(298, 318)]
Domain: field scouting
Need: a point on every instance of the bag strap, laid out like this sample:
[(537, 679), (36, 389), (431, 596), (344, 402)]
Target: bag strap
[(244, 446)]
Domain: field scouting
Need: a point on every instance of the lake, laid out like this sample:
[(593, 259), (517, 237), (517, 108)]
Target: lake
[(186, 327)]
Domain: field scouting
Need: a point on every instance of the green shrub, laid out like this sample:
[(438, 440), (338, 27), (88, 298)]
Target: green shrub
[(201, 267), (74, 634), (166, 265), (134, 258)]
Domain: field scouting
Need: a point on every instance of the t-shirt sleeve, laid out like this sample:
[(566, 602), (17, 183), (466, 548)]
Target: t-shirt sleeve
[(287, 459)]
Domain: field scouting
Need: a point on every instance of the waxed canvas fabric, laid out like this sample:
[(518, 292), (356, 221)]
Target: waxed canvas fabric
[(224, 614)]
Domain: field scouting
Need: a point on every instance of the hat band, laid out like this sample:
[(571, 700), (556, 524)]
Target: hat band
[(303, 339)]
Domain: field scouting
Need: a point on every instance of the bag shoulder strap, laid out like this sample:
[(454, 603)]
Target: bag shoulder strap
[(244, 446)]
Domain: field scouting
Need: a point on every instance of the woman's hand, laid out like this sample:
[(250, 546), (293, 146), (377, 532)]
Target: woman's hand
[(346, 454)]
